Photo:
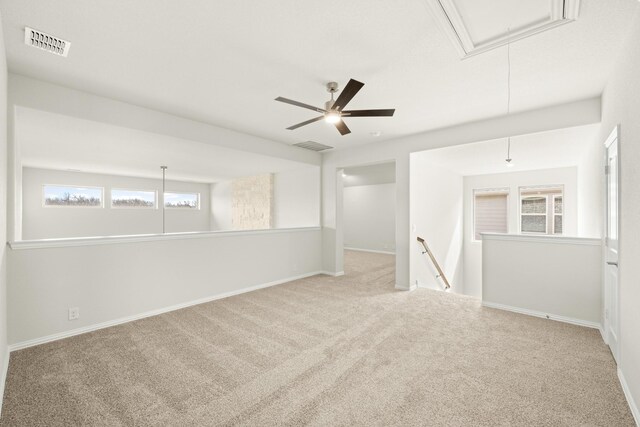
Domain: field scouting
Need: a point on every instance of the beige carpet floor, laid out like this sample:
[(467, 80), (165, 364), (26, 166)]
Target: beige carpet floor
[(323, 351)]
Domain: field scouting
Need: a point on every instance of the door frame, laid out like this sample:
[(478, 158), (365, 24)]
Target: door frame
[(614, 137)]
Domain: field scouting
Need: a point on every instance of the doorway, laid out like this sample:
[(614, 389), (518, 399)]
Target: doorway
[(611, 273), (369, 220)]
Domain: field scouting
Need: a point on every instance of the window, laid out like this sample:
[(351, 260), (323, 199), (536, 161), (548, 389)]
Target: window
[(541, 210), (133, 199), (490, 212), (71, 196), (182, 200)]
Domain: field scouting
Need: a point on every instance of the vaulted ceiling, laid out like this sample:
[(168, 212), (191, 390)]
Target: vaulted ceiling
[(223, 62)]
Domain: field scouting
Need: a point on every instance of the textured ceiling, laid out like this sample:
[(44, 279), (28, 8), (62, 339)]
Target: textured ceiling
[(223, 62)]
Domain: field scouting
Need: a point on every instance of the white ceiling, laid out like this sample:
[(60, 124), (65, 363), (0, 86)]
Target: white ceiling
[(55, 141), (545, 150), (381, 173), (223, 62)]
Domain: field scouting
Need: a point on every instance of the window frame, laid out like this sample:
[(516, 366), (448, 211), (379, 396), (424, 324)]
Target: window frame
[(554, 214), (491, 190), (198, 201), (549, 211), (155, 199), (44, 199)]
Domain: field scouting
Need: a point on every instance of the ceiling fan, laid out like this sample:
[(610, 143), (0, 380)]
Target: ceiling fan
[(334, 111)]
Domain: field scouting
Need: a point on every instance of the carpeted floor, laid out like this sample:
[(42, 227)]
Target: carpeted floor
[(323, 351)]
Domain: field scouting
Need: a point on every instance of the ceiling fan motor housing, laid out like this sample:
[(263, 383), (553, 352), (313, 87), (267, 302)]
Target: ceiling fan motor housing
[(332, 87)]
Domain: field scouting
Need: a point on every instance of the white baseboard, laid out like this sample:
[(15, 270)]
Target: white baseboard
[(369, 250), (3, 379), (405, 288), (627, 394), (332, 273), (90, 328), (535, 313)]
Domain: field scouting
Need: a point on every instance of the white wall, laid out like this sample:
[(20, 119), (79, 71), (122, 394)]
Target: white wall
[(621, 105), (296, 198), (41, 222), (591, 190), (436, 216), (221, 207), (564, 282), (513, 181), (39, 95), (113, 281), (398, 150), (369, 217), (4, 354)]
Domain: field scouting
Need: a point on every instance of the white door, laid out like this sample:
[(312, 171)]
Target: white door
[(611, 291)]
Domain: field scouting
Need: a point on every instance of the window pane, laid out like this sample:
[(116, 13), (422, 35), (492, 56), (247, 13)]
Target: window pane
[(133, 199), (534, 205), (59, 195), (182, 200), (557, 224), (557, 204), (534, 223), (490, 213)]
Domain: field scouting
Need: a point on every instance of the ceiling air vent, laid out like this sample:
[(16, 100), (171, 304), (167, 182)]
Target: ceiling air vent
[(313, 146), (46, 42)]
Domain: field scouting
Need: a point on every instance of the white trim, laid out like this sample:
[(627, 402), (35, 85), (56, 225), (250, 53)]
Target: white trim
[(627, 393), (108, 240), (127, 319), (546, 238), (405, 288), (571, 320), (448, 18), (602, 334), (3, 377), (369, 250), (332, 273)]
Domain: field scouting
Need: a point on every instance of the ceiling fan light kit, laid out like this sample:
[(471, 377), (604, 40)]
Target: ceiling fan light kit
[(333, 111)]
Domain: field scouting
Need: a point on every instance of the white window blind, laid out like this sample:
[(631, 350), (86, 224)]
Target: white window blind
[(490, 213)]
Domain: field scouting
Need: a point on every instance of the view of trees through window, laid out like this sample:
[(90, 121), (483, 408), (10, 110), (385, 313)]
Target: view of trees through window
[(133, 199), (57, 195), (182, 200), (65, 195)]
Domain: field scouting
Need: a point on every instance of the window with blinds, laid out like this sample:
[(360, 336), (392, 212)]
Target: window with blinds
[(490, 212)]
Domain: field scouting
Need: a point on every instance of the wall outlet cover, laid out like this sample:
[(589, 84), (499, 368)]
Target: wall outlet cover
[(74, 313)]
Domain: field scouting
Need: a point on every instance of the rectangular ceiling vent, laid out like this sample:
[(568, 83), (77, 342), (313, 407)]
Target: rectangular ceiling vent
[(46, 42), (312, 145)]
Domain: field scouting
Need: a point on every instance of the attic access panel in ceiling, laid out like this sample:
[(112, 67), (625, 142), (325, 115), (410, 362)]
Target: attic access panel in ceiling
[(478, 26)]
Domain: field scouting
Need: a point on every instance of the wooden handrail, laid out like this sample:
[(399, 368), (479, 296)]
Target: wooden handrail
[(433, 260)]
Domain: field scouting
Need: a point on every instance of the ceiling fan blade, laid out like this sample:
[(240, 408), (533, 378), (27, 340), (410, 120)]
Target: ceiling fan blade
[(305, 123), (347, 94), (369, 113), (342, 128), (300, 104)]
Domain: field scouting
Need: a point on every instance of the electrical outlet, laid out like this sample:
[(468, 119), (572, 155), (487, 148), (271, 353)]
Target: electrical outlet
[(74, 313)]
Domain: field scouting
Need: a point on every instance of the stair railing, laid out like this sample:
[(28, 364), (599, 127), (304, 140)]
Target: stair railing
[(435, 263)]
